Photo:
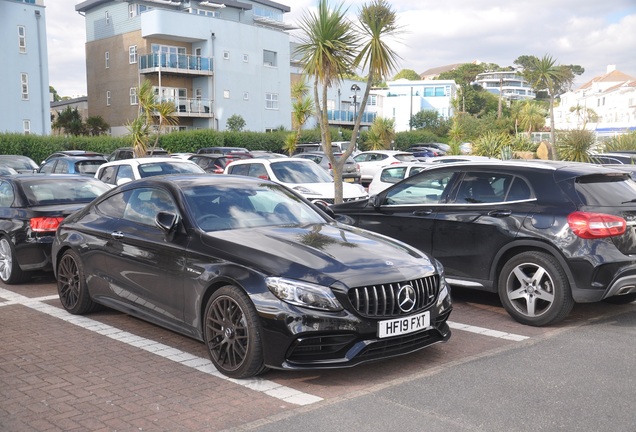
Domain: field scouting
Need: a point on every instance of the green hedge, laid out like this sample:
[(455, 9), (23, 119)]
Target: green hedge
[(38, 147)]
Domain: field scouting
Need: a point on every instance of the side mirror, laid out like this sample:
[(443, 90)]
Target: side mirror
[(167, 221), (123, 180), (324, 207)]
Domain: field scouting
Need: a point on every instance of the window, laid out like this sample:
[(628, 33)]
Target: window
[(22, 39), (226, 55), (246, 96), (246, 58), (107, 59), (108, 97), (226, 94), (133, 96), (144, 204), (198, 93), (107, 17), (271, 100), (373, 100), (26, 126), (269, 58), (132, 54), (132, 10), (24, 79)]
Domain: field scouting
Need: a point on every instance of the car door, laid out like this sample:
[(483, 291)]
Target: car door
[(406, 211), (130, 258), (483, 213)]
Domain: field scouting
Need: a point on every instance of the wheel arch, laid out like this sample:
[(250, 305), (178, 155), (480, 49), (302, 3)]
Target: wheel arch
[(517, 247)]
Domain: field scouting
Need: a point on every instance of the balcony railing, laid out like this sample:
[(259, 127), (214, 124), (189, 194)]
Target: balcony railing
[(176, 63), (186, 107), (343, 116)]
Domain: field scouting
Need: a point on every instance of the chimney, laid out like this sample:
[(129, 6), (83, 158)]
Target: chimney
[(611, 68)]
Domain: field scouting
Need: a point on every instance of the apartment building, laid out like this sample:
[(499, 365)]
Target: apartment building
[(24, 73), (509, 84), (212, 59), (403, 98), (606, 104)]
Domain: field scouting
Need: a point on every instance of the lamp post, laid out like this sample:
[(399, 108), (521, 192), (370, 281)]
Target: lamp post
[(355, 89)]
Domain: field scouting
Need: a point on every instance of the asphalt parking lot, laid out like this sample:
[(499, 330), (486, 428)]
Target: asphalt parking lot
[(110, 372)]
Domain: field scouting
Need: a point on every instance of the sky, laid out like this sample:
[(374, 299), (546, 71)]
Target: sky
[(589, 33)]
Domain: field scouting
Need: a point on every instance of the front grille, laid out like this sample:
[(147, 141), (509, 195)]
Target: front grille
[(383, 348), (382, 300)]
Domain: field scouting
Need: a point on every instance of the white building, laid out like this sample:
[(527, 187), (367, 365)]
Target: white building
[(403, 99), (510, 84), (610, 97), (24, 74), (212, 59)]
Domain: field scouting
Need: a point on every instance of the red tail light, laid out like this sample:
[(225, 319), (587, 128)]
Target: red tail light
[(596, 225), (45, 224)]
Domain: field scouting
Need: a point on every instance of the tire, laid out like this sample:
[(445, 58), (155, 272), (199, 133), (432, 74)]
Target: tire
[(71, 285), (621, 299), (232, 333), (10, 271), (534, 289)]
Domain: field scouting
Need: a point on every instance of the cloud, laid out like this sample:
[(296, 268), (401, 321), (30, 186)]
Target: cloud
[(588, 33)]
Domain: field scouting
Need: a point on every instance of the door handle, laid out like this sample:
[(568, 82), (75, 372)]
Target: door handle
[(117, 235), (500, 213), (426, 212)]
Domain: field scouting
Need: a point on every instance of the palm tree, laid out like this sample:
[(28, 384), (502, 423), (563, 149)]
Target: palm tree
[(544, 74), (382, 133), (302, 110), (530, 117), (327, 49)]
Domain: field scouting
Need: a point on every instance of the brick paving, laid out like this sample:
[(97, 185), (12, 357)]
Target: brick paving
[(57, 376)]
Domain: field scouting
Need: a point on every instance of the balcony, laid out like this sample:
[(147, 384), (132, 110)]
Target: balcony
[(186, 107), (182, 64)]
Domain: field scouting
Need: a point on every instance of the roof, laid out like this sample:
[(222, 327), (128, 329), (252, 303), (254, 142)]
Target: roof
[(90, 4), (614, 76)]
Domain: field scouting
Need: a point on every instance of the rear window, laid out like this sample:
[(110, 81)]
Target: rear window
[(63, 191), (405, 157), (605, 190), (88, 167), (153, 169)]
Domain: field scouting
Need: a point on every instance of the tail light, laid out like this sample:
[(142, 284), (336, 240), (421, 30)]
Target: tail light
[(45, 224), (596, 225)]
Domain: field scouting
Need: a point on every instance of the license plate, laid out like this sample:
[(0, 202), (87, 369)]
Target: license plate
[(405, 325), (348, 179)]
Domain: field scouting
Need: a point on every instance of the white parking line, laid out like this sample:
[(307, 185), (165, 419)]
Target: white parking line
[(204, 365), (487, 332)]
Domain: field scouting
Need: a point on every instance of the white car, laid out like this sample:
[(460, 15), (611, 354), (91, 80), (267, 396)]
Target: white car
[(371, 161), (391, 174), (302, 175), (125, 170)]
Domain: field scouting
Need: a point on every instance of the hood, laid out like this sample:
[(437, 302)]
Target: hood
[(322, 253)]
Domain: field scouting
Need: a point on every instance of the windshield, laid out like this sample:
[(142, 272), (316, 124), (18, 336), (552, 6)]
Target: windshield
[(217, 207), (300, 172), (161, 168)]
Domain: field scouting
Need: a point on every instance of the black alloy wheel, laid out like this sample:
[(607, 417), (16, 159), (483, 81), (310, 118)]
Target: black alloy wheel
[(71, 285), (232, 333), (534, 289)]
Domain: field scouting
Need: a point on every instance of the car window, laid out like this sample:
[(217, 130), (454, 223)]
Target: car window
[(161, 168), (392, 174), (88, 167), (404, 157), (125, 171), (63, 191), (480, 187), (300, 172), (47, 167), (605, 190), (114, 205), (144, 204), (7, 195), (426, 188), (61, 167), (107, 175)]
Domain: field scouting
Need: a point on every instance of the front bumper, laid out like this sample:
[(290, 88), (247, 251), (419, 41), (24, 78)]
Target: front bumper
[(320, 340)]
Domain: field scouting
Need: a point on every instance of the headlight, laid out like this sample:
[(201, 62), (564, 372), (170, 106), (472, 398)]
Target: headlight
[(303, 294)]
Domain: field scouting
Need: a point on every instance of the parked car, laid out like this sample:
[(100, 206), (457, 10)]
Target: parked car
[(371, 161), (212, 163), (238, 152), (22, 164), (542, 234), (266, 154), (6, 170), (262, 277), (67, 153), (129, 153), (301, 175), (350, 171), (82, 165), (392, 174), (123, 171), (31, 208)]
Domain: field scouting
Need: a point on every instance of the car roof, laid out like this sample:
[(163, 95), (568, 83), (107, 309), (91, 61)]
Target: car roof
[(143, 160), (386, 152)]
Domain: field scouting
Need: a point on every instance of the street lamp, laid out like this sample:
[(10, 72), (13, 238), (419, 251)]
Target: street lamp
[(355, 89)]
